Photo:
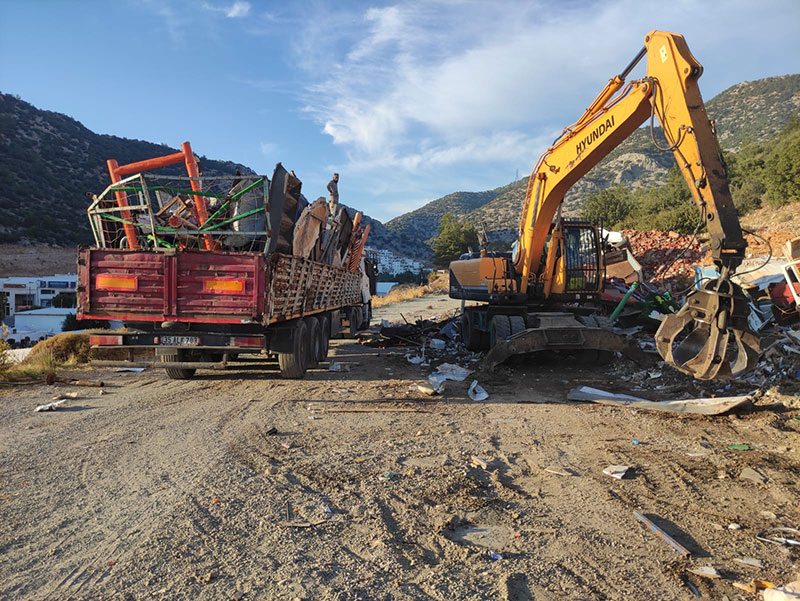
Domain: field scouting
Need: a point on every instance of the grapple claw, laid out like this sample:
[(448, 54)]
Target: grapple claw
[(695, 340)]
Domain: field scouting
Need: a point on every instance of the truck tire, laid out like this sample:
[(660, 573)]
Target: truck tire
[(500, 330), (517, 324), (325, 334), (470, 336), (176, 373), (314, 341), (295, 364), (356, 318)]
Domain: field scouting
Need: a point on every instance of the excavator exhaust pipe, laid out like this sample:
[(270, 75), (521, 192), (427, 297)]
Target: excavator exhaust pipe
[(697, 339)]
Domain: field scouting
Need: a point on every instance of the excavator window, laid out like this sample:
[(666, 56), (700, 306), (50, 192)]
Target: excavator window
[(582, 258)]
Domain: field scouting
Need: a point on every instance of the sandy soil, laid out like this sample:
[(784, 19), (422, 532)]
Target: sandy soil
[(161, 489), (18, 260)]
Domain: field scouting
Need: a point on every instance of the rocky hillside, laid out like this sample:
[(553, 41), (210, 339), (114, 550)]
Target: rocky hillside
[(48, 163), (750, 111)]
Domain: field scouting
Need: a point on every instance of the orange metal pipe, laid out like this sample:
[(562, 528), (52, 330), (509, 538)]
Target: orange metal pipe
[(148, 164), (199, 200), (122, 201)]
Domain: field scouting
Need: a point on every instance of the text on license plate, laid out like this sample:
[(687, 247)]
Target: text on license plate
[(178, 340)]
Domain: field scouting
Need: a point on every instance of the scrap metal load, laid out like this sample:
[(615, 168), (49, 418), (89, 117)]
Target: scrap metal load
[(245, 213), (205, 268)]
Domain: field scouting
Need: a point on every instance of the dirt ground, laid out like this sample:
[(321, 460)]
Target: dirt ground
[(349, 486), (19, 260)]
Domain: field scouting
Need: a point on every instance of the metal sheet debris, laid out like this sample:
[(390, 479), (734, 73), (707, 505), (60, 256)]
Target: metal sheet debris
[(712, 406)]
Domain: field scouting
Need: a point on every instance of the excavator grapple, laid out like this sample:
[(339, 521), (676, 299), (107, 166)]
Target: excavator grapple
[(697, 339)]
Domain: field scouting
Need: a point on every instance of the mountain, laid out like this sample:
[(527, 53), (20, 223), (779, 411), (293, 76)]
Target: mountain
[(752, 111), (48, 164)]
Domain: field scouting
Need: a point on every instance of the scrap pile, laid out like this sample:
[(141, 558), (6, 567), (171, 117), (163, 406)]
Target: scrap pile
[(241, 212), (659, 254)]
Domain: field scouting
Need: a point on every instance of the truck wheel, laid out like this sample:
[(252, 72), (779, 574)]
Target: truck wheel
[(366, 316), (470, 336), (355, 321), (500, 330), (517, 324), (324, 334), (314, 340), (294, 365), (177, 373)]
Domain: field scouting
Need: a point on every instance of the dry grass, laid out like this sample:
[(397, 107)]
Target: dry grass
[(62, 350), (399, 294)]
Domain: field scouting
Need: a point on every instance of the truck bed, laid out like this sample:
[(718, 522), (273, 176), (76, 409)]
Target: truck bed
[(196, 286)]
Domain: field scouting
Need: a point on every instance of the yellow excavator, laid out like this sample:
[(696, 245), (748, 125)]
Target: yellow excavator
[(535, 297)]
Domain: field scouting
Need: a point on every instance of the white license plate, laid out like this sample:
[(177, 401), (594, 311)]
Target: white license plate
[(177, 340)]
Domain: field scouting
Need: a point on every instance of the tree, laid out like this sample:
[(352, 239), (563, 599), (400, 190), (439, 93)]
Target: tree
[(608, 207), (782, 179), (454, 239), (64, 300)]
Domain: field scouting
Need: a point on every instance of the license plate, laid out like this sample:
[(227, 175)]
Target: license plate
[(177, 340)]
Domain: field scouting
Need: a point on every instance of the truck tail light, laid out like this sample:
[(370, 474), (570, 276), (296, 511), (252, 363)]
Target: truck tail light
[(256, 341), (107, 281), (104, 340), (226, 286)]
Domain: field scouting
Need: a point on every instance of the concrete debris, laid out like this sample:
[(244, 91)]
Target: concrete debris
[(713, 406), (752, 475)]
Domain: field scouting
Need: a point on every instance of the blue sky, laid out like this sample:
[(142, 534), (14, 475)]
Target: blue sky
[(408, 101)]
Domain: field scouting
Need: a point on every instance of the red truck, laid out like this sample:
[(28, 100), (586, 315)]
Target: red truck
[(205, 268)]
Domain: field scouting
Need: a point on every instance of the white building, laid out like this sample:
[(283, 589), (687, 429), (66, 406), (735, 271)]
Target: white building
[(392, 264), (38, 323), (23, 293)]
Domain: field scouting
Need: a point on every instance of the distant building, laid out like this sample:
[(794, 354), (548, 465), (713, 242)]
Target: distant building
[(19, 294), (39, 323), (392, 264)]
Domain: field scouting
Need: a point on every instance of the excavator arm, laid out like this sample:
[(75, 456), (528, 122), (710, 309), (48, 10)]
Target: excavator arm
[(695, 340)]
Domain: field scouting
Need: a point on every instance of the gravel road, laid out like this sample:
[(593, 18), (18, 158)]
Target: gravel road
[(350, 486)]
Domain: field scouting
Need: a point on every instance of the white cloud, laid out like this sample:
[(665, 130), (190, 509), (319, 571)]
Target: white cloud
[(268, 149), (238, 9), (454, 74)]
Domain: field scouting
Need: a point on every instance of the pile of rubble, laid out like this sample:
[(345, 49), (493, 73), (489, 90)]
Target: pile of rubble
[(657, 252)]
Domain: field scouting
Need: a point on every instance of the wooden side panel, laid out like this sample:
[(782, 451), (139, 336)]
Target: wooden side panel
[(301, 287)]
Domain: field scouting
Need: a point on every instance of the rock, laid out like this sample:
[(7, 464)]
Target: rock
[(752, 475), (734, 526)]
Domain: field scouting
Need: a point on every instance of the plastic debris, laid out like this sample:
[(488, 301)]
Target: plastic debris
[(438, 344), (705, 572), (414, 359), (739, 447), (749, 561), (338, 367), (136, 370), (476, 392), (51, 406), (787, 592), (495, 556), (616, 471), (424, 389), (450, 371)]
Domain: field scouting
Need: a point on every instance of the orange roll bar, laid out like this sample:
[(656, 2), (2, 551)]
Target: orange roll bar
[(186, 155)]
